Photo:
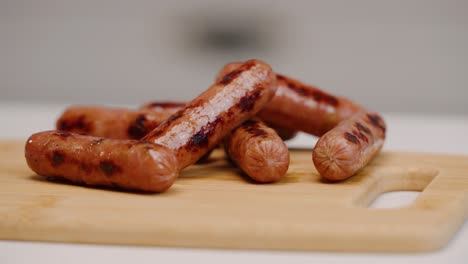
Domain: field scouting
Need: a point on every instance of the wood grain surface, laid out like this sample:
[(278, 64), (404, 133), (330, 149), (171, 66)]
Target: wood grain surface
[(214, 206)]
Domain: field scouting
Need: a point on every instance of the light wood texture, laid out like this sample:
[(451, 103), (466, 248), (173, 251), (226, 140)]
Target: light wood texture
[(213, 206)]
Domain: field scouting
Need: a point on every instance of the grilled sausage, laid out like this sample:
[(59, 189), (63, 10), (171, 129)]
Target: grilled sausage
[(350, 146), (300, 107), (206, 120), (117, 123), (153, 163), (284, 133), (126, 164), (172, 107), (258, 151)]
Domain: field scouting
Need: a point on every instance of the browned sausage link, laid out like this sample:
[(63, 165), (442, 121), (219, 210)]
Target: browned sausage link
[(298, 106), (350, 146), (284, 133), (127, 164), (170, 107), (164, 107), (258, 151), (302, 107), (204, 121), (117, 123)]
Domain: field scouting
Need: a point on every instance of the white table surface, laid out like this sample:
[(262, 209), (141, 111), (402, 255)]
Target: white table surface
[(415, 132)]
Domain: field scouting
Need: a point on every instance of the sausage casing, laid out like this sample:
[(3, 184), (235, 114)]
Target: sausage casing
[(258, 151), (300, 107), (350, 146), (126, 164), (116, 123), (206, 120)]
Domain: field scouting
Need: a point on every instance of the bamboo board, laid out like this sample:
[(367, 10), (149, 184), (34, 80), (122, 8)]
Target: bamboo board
[(213, 206)]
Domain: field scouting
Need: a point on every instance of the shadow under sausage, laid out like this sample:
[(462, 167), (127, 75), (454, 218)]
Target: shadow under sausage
[(115, 188)]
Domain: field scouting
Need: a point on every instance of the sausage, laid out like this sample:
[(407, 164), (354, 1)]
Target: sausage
[(117, 123), (206, 120), (126, 164), (121, 123), (258, 151), (301, 107), (350, 146), (153, 163), (283, 132), (171, 107)]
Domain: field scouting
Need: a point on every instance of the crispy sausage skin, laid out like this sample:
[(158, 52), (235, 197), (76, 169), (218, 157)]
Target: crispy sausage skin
[(206, 120), (117, 123), (258, 151), (350, 146), (127, 164), (301, 107)]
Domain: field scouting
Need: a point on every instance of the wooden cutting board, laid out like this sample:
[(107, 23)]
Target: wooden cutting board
[(213, 206)]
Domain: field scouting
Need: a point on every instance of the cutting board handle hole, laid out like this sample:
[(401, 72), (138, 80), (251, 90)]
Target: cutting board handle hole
[(395, 199), (395, 188)]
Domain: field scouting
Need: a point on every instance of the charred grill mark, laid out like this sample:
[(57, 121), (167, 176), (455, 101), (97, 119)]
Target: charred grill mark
[(360, 135), (247, 102), (309, 91), (253, 128), (109, 168), (230, 76), (361, 127), (201, 138), (321, 96), (164, 125), (138, 129), (363, 137), (250, 122), (235, 73), (376, 121), (352, 138), (166, 104), (154, 129), (57, 158), (78, 123)]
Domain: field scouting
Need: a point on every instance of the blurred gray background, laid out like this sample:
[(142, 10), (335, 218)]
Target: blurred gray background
[(392, 56)]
